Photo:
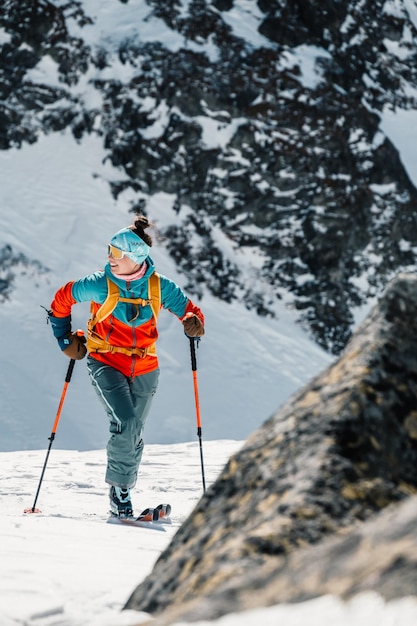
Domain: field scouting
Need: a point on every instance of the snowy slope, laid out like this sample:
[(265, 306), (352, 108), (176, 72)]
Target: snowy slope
[(57, 209), (67, 567)]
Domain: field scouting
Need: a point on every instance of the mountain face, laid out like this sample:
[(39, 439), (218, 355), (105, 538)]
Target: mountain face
[(267, 139)]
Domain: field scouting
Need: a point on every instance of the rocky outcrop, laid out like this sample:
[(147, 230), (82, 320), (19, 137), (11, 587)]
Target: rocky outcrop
[(379, 555), (298, 511), (35, 31)]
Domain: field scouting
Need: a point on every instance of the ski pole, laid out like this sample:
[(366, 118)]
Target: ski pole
[(193, 341), (51, 438)]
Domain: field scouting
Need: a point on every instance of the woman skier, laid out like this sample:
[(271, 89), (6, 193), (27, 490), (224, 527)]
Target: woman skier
[(122, 363)]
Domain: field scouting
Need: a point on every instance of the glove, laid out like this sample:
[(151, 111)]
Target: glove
[(71, 344), (193, 326), (75, 345)]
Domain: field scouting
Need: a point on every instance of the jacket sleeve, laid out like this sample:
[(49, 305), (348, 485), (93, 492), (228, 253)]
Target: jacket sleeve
[(60, 314), (90, 287), (174, 299), (192, 309), (63, 301)]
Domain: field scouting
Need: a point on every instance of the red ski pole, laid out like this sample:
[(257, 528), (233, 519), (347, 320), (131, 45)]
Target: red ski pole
[(51, 438), (197, 405)]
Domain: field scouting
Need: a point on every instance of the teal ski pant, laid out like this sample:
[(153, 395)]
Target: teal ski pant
[(127, 403)]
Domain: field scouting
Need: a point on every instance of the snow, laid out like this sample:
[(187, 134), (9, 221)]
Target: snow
[(244, 19), (411, 8), (58, 210), (66, 566), (305, 57), (400, 127)]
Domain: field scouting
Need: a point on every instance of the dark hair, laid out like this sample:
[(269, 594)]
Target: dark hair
[(138, 227)]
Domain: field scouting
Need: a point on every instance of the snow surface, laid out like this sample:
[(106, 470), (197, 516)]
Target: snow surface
[(66, 566)]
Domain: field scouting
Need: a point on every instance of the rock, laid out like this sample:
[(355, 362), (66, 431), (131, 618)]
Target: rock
[(338, 453)]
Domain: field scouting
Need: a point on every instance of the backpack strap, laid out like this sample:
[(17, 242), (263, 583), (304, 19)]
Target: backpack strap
[(154, 294), (113, 298), (95, 343), (109, 303)]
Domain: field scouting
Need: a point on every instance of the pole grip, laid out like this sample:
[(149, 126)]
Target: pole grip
[(193, 354), (70, 370)]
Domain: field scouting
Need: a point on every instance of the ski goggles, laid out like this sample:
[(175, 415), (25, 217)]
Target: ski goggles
[(114, 252)]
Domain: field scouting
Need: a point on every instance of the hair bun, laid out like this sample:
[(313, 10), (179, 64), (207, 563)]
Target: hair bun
[(141, 222)]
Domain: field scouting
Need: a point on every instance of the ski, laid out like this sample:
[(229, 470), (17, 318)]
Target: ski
[(149, 518), (148, 515), (164, 511), (133, 521)]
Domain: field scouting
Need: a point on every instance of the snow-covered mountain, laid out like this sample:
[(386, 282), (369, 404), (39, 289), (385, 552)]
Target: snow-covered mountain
[(270, 143), (59, 210), (267, 126)]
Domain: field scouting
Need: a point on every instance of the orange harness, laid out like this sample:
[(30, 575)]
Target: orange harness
[(96, 343)]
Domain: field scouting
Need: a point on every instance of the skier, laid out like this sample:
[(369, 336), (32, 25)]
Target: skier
[(122, 361)]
